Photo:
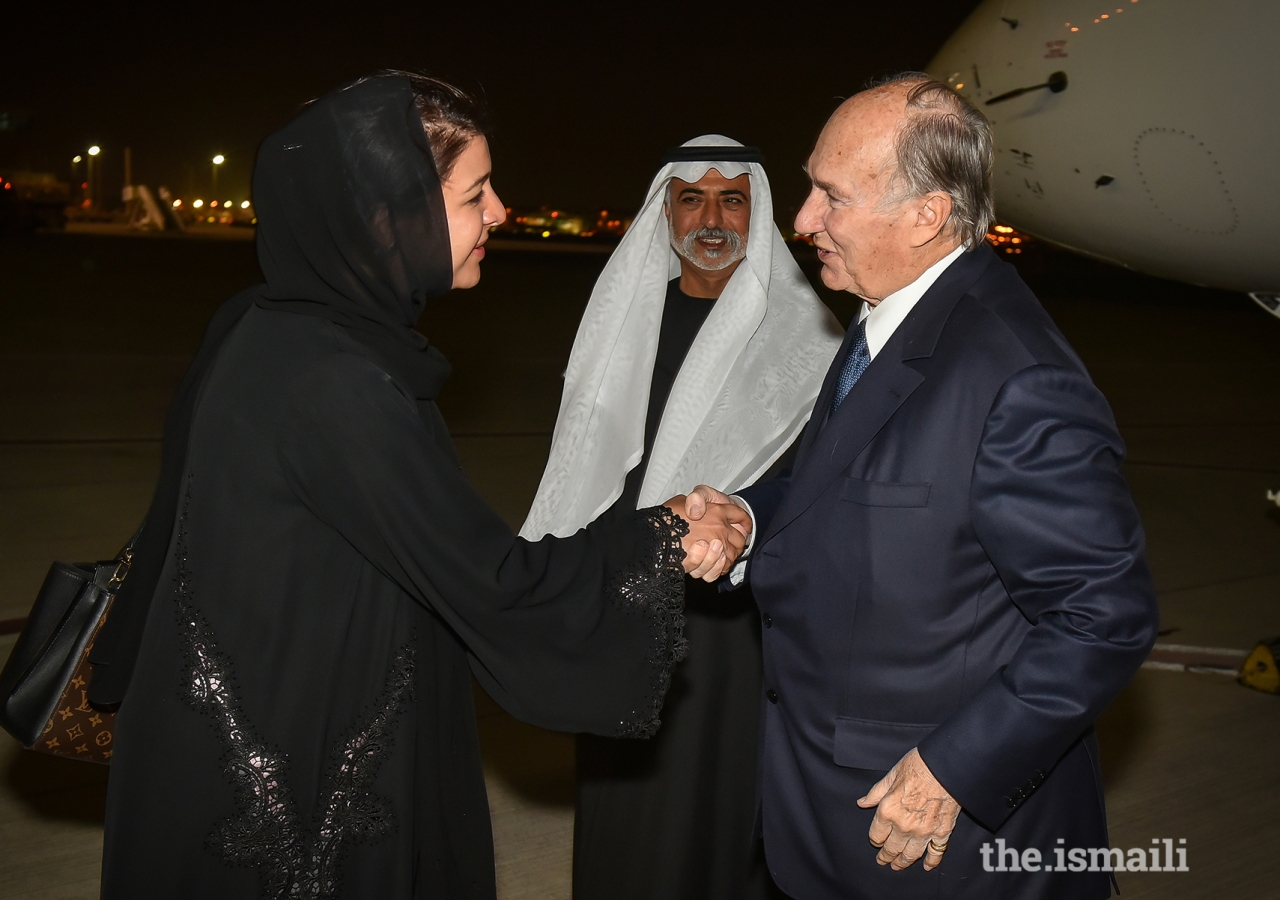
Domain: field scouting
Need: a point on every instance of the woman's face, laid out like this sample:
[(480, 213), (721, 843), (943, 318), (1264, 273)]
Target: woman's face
[(473, 208)]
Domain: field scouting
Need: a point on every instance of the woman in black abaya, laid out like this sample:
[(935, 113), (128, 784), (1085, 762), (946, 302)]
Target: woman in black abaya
[(323, 582)]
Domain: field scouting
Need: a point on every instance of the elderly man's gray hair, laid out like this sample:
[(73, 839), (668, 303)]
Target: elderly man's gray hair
[(943, 144)]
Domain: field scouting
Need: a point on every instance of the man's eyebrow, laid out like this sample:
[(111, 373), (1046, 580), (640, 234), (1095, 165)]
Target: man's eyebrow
[(727, 192), (823, 186)]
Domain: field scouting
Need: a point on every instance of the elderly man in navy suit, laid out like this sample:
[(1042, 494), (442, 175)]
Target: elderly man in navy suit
[(952, 580)]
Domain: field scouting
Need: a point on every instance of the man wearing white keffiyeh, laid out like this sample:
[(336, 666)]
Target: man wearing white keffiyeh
[(698, 361)]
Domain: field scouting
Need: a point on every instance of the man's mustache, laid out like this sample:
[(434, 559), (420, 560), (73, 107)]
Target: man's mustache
[(732, 250)]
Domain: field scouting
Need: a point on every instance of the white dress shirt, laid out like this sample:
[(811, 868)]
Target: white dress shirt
[(884, 318), (882, 321)]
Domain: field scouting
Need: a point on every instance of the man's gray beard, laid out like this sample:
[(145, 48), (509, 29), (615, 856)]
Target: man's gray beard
[(733, 249)]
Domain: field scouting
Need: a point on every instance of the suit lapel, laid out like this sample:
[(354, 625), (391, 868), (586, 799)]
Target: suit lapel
[(878, 394)]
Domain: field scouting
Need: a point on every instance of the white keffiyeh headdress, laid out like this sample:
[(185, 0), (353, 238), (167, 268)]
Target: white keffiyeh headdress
[(744, 392)]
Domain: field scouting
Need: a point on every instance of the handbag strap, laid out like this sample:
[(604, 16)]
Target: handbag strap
[(119, 566)]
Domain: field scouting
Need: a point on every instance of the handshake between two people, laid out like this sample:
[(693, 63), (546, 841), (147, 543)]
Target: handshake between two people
[(718, 531)]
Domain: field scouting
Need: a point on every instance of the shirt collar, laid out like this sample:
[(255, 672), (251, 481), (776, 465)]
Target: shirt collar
[(884, 318)]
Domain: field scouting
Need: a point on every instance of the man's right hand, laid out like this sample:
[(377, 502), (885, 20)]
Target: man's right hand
[(717, 535), (699, 500)]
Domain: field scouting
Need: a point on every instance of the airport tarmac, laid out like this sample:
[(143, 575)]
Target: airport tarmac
[(98, 329)]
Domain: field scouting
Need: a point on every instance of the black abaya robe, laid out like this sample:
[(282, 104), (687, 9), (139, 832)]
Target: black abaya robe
[(672, 818), (299, 720)]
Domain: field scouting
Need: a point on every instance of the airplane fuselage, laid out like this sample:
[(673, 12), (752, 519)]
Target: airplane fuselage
[(1160, 153)]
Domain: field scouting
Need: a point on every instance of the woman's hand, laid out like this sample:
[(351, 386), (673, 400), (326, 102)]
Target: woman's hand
[(716, 536)]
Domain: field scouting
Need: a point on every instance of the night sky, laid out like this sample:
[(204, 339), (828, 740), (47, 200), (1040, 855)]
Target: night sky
[(584, 97)]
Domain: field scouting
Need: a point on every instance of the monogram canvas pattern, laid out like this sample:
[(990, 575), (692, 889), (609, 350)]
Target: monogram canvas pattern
[(76, 730)]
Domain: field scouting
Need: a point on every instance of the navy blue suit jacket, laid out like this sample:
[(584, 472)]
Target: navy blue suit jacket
[(955, 564)]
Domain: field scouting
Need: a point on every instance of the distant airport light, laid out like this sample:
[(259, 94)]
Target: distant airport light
[(177, 203), (1004, 229), (546, 234), (213, 204), (1075, 29), (244, 205), (219, 159), (960, 86), (228, 204), (95, 150), (197, 204), (76, 159)]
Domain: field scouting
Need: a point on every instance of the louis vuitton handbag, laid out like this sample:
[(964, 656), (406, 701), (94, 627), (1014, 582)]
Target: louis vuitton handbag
[(44, 688)]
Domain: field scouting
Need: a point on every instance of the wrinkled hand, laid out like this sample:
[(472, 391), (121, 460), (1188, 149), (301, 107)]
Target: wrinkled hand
[(715, 539), (914, 817), (701, 498)]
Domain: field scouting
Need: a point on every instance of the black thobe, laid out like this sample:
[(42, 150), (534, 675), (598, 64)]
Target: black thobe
[(671, 818)]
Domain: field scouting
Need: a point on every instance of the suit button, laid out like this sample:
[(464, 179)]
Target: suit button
[(768, 620), (1013, 804), (772, 695)]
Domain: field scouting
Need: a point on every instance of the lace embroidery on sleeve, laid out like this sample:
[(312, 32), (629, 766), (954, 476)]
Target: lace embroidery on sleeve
[(655, 587), (265, 832)]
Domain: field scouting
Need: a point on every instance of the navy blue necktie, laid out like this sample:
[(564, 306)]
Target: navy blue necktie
[(855, 363)]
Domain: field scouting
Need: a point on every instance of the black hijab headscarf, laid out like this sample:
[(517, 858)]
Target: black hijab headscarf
[(351, 228)]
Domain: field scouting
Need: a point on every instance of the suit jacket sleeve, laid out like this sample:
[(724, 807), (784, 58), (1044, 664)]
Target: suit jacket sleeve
[(1055, 518), (765, 497)]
